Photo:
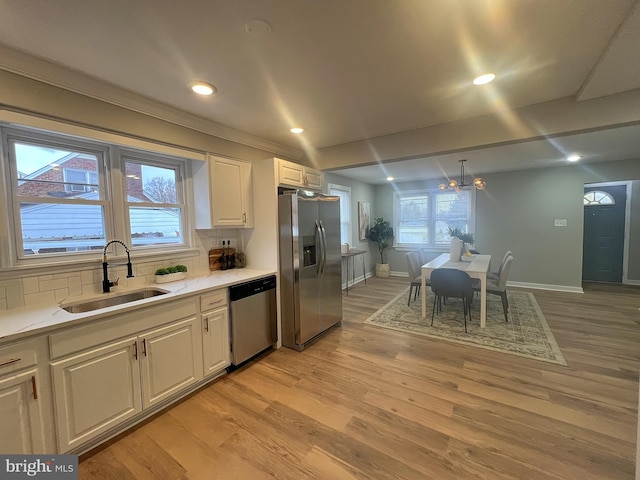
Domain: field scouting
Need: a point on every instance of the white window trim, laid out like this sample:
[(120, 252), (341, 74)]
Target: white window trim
[(111, 185), (335, 186), (404, 247)]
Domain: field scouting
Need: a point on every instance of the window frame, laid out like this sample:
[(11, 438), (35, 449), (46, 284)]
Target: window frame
[(349, 223), (114, 207), (161, 161), (431, 194)]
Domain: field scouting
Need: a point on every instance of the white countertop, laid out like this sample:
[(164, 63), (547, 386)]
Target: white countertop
[(37, 319)]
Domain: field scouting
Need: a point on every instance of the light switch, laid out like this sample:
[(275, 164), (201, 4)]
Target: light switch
[(560, 222)]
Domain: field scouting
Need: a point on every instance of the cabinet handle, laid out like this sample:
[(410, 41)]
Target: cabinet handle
[(135, 349), (34, 387), (216, 302), (10, 361), (206, 324), (244, 217), (144, 347)]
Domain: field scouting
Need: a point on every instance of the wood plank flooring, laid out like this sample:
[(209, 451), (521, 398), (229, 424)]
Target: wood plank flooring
[(369, 403)]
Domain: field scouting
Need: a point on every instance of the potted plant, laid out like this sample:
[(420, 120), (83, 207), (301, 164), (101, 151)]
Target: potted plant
[(381, 232), (460, 241), (171, 274)]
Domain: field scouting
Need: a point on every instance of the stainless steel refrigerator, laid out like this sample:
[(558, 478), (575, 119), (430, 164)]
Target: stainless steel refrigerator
[(310, 266)]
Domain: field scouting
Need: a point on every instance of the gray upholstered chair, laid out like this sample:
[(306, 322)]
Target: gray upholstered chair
[(499, 286), (496, 275), (415, 274), (451, 283)]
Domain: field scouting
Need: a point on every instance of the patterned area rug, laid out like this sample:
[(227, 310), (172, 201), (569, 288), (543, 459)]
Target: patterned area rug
[(526, 333)]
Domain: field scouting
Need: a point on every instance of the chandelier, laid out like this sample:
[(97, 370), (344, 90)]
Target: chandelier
[(478, 182)]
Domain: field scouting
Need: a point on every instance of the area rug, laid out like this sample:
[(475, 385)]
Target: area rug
[(526, 334)]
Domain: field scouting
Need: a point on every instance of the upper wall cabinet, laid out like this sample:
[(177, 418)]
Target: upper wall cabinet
[(294, 175), (223, 193)]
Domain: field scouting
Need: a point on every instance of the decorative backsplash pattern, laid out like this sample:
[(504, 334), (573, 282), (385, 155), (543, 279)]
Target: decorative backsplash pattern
[(30, 290)]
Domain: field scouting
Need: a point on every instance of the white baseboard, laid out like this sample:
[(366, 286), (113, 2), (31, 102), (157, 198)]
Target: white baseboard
[(544, 286), (399, 274), (630, 282), (358, 280)]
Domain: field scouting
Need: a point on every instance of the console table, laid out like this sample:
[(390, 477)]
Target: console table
[(350, 258)]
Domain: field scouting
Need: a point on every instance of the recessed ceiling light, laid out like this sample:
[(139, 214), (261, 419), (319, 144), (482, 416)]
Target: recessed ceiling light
[(203, 88), (574, 158), (390, 179), (484, 79), (297, 130)]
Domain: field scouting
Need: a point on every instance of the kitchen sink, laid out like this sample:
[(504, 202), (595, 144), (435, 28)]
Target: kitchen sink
[(112, 300)]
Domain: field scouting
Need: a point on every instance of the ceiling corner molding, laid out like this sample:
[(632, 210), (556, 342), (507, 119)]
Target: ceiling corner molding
[(53, 74)]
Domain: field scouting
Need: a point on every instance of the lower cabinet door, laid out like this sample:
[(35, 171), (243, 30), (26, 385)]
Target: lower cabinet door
[(169, 360), (216, 341), (95, 391), (21, 415)]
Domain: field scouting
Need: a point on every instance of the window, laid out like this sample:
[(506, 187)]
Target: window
[(80, 180), (62, 193), (422, 218), (154, 202), (345, 210), (597, 197)]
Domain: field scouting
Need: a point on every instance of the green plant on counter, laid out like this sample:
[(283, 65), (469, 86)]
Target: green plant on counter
[(168, 270)]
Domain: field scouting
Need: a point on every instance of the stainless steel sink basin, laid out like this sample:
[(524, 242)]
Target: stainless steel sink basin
[(110, 301)]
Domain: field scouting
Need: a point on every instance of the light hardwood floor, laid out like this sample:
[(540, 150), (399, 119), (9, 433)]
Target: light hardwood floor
[(370, 403)]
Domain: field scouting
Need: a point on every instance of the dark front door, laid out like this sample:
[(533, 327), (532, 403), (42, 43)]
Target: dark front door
[(603, 243)]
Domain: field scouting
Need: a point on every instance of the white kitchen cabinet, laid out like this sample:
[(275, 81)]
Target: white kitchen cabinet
[(228, 186), (20, 414), (25, 416), (215, 337), (95, 391), (294, 175), (168, 360), (108, 372)]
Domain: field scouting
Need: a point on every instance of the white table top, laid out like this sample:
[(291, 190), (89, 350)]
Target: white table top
[(479, 264)]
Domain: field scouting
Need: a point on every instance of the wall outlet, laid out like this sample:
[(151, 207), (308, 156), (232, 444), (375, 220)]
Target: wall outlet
[(560, 222)]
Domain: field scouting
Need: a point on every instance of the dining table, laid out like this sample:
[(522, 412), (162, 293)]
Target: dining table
[(475, 266)]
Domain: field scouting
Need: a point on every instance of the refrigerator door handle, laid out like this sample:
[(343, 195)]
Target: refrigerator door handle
[(320, 243), (324, 246)]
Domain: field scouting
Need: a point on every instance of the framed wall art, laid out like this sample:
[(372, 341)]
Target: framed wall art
[(364, 216)]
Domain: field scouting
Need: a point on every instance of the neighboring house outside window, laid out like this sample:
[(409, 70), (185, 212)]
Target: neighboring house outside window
[(62, 192), (422, 217), (345, 210), (153, 200)]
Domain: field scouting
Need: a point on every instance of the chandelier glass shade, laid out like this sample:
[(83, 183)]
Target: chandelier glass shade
[(478, 182)]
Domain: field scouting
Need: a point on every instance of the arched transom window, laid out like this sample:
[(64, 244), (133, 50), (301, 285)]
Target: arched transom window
[(598, 197)]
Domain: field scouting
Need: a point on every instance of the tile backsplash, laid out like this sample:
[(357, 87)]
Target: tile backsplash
[(53, 288)]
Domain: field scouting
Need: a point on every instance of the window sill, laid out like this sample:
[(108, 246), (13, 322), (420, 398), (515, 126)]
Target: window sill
[(53, 267), (406, 248)]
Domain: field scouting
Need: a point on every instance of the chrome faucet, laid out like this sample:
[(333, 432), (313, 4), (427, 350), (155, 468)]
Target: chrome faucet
[(106, 284)]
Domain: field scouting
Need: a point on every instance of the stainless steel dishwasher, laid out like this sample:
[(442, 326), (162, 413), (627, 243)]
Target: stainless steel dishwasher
[(253, 318)]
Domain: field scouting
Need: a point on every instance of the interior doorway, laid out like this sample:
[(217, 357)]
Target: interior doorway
[(604, 232)]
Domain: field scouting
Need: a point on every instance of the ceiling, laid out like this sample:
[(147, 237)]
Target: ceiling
[(345, 70)]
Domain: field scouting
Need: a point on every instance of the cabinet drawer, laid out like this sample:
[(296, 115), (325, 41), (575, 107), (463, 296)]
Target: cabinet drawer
[(119, 325), (18, 356), (213, 300)]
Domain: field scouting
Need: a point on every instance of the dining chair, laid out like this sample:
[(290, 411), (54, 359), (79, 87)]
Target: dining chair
[(415, 274), (451, 283), (498, 286), (496, 275)]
